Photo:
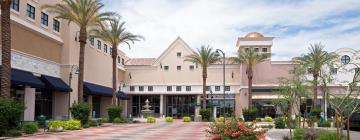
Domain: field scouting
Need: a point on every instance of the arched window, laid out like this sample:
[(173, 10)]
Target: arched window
[(345, 59)]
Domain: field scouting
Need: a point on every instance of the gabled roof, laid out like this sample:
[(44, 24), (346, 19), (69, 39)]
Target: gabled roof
[(172, 46), (140, 61)]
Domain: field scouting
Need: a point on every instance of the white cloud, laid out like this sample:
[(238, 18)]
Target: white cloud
[(219, 23)]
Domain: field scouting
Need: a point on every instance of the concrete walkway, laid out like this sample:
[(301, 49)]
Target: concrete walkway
[(177, 130)]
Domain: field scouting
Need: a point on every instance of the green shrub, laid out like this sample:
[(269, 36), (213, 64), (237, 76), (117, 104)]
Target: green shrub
[(258, 119), (93, 123), (151, 119), (14, 133), (315, 112), (104, 120), (249, 114), (299, 134), (205, 114), (280, 123), (114, 111), (55, 125), (221, 119), (169, 119), (72, 125), (117, 120), (293, 124), (80, 111), (30, 127), (329, 135), (310, 122), (325, 123), (10, 112), (268, 119), (186, 119)]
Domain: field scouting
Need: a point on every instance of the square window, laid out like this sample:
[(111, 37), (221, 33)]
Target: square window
[(91, 40), (169, 88), (178, 54), (141, 88), (119, 59), (99, 44), (166, 67), (15, 5), (334, 70), (44, 19), (132, 88), (227, 88), (246, 49), (105, 48), (208, 88), (188, 88), (178, 88), (178, 67), (264, 50), (30, 11), (122, 61), (217, 88), (110, 50), (150, 88), (310, 71), (56, 25), (256, 50), (191, 67)]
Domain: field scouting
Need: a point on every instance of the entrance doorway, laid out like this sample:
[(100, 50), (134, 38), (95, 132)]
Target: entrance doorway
[(180, 105)]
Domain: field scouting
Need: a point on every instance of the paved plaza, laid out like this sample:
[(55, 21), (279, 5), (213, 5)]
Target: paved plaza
[(177, 130)]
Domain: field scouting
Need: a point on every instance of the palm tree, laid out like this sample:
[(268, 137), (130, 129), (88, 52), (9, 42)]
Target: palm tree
[(6, 47), (115, 33), (250, 58), (204, 56), (314, 61), (86, 14)]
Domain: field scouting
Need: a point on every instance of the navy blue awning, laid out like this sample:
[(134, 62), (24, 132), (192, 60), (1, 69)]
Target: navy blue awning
[(95, 89), (122, 96), (55, 84), (24, 78)]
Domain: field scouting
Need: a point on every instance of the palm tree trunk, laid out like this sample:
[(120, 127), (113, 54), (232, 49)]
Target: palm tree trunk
[(114, 55), (82, 40), (204, 87), (315, 90), (6, 48), (250, 78)]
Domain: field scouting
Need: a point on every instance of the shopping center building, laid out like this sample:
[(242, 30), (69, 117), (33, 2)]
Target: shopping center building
[(45, 53)]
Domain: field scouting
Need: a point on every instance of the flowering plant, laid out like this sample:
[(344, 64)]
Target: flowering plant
[(235, 129)]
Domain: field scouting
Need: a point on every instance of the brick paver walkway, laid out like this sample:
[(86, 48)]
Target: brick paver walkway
[(141, 131)]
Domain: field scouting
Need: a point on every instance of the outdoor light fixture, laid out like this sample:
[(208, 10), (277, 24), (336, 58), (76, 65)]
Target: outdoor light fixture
[(130, 75), (76, 35)]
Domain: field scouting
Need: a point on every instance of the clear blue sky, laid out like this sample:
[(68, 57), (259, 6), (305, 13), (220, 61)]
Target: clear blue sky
[(294, 24)]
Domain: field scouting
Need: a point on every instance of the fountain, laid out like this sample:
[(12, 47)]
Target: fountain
[(146, 112)]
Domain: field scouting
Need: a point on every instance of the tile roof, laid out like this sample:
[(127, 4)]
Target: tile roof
[(140, 61)]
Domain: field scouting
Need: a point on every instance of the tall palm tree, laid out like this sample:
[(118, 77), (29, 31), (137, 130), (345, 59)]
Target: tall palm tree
[(315, 60), (250, 58), (86, 14), (115, 33), (6, 47), (204, 56)]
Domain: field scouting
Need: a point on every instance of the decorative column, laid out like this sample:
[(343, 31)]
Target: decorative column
[(197, 109), (161, 105), (29, 99)]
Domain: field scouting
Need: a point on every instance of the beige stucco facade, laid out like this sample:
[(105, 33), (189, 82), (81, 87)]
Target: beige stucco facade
[(172, 84)]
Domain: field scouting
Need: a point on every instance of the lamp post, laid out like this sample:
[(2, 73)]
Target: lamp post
[(77, 71), (217, 53)]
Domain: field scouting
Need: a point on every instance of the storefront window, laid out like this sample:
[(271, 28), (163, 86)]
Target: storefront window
[(181, 105), (43, 104)]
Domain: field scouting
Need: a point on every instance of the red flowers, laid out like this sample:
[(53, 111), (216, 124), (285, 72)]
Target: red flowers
[(233, 129)]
